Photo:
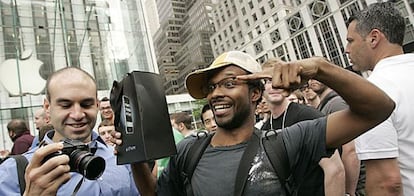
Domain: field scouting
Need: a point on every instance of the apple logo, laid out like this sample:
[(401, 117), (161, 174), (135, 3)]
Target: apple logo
[(30, 78)]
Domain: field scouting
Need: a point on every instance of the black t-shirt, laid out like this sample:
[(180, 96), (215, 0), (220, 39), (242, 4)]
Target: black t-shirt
[(297, 113)]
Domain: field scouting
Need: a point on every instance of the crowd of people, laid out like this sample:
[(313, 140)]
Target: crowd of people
[(322, 119)]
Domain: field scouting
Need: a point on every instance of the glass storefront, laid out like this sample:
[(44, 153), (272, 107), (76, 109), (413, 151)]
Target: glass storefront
[(107, 38)]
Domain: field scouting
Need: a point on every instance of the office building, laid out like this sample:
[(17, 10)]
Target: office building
[(292, 29)]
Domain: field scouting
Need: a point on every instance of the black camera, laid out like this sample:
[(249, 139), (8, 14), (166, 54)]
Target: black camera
[(81, 160)]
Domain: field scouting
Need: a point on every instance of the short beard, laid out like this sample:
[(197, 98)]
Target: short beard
[(236, 121)]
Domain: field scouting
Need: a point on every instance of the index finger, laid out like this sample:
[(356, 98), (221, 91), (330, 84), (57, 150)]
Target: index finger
[(42, 152), (265, 73)]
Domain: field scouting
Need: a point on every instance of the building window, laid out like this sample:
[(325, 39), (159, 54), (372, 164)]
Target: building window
[(237, 23), (247, 22), (263, 11), (251, 4), (258, 30), (262, 59), (275, 18), (330, 43), (243, 10), (254, 17), (250, 35), (295, 23), (275, 36), (258, 47), (266, 23), (271, 4), (280, 52), (318, 9), (302, 46), (343, 1)]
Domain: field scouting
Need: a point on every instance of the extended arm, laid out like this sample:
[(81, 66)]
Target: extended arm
[(334, 173), (368, 105), (144, 179)]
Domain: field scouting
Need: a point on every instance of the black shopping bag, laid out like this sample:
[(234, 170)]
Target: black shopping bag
[(141, 115)]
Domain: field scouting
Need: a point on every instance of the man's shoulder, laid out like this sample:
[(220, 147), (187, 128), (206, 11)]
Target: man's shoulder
[(24, 138), (188, 141), (304, 112), (297, 107)]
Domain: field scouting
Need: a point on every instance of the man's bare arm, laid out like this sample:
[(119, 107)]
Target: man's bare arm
[(368, 105), (378, 181), (143, 178)]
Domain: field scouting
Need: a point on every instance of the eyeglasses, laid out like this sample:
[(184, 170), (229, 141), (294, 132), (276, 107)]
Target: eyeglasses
[(304, 87), (227, 83), (267, 81)]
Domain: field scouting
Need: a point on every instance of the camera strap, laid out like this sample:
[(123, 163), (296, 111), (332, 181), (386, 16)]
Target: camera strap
[(78, 186)]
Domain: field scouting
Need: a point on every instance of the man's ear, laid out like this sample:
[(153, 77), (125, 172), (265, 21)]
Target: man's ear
[(256, 94), (181, 126), (374, 37), (46, 106)]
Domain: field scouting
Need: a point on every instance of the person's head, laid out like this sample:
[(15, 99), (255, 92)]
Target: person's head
[(274, 96), (105, 128), (41, 118), (317, 86), (297, 97), (233, 101), (373, 34), (16, 128), (105, 109), (207, 117), (43, 130), (262, 111), (181, 121), (308, 93), (72, 103)]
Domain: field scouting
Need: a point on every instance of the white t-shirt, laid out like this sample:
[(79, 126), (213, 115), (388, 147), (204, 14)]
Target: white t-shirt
[(394, 138)]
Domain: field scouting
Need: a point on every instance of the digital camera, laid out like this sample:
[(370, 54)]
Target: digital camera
[(81, 160)]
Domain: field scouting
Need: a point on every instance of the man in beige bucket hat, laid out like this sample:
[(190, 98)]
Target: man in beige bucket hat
[(233, 87)]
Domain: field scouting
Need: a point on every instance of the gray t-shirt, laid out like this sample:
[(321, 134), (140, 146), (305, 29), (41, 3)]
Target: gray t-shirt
[(216, 171)]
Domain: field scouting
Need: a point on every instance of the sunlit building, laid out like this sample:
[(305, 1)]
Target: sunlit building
[(292, 29), (182, 42)]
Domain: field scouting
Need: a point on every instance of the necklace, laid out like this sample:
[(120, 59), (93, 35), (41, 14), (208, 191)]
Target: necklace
[(283, 120)]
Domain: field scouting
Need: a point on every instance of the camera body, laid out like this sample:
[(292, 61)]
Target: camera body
[(81, 160)]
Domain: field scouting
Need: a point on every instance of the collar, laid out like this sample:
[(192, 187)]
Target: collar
[(95, 138)]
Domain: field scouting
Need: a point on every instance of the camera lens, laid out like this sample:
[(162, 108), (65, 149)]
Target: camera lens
[(87, 164)]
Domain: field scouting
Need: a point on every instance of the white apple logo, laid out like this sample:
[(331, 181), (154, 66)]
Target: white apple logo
[(30, 79)]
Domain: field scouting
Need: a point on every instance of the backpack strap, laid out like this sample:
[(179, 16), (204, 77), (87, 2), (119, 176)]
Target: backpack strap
[(21, 164), (191, 160), (328, 97), (275, 149), (246, 164)]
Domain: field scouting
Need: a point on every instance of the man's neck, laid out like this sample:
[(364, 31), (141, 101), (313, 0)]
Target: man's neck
[(224, 137), (325, 93), (186, 132), (278, 109), (314, 102)]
